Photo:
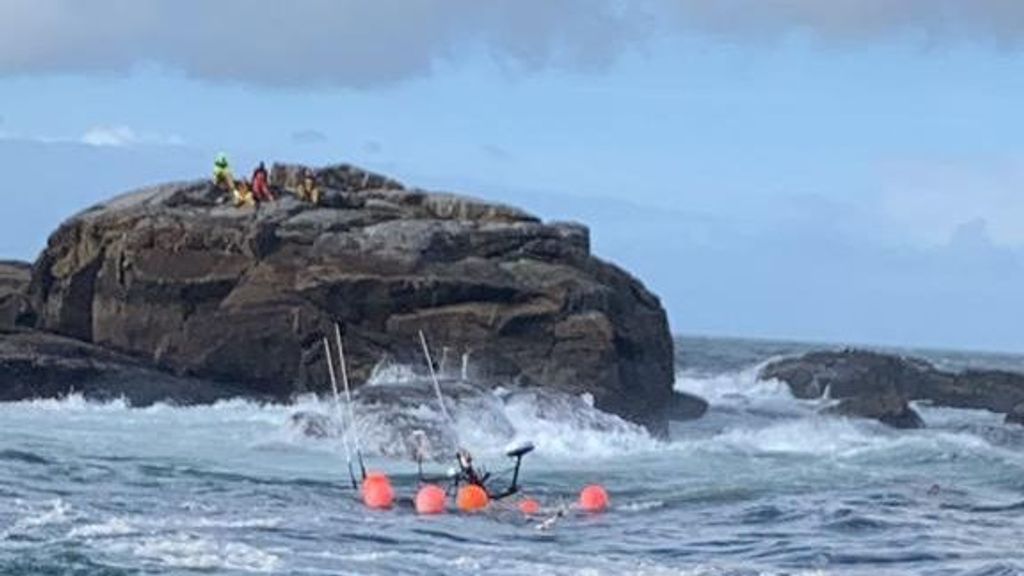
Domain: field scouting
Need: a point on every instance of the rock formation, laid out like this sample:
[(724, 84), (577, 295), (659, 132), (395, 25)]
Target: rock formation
[(176, 278), (880, 386)]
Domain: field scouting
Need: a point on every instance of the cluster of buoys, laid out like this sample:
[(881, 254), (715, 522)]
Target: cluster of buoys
[(432, 499)]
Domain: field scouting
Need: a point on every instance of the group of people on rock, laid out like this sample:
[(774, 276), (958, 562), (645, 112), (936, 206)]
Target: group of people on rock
[(257, 190)]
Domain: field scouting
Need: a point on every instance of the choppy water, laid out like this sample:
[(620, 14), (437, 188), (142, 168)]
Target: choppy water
[(762, 485)]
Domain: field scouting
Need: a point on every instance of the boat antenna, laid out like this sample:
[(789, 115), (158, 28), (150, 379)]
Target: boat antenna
[(348, 401), (337, 409), (437, 384)]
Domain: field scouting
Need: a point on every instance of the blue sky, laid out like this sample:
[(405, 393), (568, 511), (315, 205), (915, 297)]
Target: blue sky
[(843, 171)]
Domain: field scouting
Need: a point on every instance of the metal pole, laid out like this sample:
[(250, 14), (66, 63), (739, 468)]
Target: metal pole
[(337, 409), (348, 400)]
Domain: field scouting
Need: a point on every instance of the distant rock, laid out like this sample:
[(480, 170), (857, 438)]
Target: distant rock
[(174, 277), (880, 386)]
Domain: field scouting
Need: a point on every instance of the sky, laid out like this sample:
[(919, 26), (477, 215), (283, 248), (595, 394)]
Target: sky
[(843, 171)]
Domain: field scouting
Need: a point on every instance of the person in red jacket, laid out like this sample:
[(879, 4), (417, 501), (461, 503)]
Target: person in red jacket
[(261, 184)]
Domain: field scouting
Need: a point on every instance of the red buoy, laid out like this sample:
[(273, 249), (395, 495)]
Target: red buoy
[(529, 507), (430, 500), (472, 498), (593, 498), (377, 491)]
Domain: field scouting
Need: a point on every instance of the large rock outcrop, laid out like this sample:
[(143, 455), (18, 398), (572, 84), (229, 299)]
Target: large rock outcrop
[(880, 386), (175, 277)]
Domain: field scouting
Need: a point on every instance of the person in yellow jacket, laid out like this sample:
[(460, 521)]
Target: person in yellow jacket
[(308, 190), (243, 195), (222, 177)]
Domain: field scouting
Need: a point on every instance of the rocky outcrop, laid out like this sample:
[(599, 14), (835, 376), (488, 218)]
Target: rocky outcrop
[(866, 384), (880, 386), (38, 365), (175, 278), (14, 304)]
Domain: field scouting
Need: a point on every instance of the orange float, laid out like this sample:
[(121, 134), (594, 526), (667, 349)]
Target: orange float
[(430, 500), (593, 498), (529, 507), (472, 498), (377, 491)]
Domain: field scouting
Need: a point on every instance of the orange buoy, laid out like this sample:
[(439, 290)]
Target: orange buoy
[(377, 491), (593, 498), (529, 507), (430, 500), (472, 498)]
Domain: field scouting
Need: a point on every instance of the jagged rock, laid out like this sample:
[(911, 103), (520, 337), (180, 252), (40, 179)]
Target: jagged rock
[(868, 385), (994, 390), (14, 304), (889, 409), (176, 277), (1016, 416), (883, 384), (38, 365), (685, 406)]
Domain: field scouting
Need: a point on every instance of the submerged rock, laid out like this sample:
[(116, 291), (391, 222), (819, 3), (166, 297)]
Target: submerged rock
[(174, 277), (880, 386)]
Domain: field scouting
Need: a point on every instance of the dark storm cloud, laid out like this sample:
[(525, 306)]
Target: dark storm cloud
[(366, 43), (990, 22), (356, 43)]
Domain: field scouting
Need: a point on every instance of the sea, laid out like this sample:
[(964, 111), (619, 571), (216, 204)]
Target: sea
[(762, 485)]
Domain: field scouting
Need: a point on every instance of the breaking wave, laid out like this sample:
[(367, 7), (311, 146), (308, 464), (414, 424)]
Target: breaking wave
[(762, 484)]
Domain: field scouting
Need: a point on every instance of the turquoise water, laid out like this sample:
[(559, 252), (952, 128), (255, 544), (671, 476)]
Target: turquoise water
[(762, 485)]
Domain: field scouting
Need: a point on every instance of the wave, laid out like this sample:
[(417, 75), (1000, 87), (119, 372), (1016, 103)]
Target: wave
[(747, 416)]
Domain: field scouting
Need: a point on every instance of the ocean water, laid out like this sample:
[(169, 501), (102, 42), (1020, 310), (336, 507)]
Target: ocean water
[(761, 485)]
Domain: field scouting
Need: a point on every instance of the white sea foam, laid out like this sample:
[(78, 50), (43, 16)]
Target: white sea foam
[(564, 428), (36, 516), (111, 527), (192, 551), (731, 387)]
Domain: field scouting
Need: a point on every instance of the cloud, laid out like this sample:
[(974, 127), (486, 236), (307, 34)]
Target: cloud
[(305, 42), (998, 22), (355, 43), (124, 136), (935, 202), (495, 152), (100, 137), (309, 137)]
